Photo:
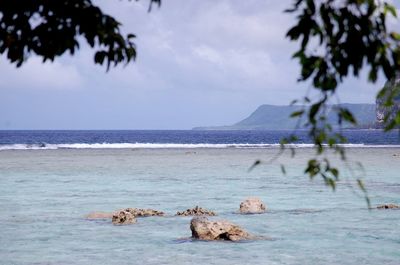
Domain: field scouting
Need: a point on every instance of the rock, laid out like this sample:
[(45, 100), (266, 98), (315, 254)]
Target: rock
[(99, 215), (135, 212), (204, 229), (388, 206), (144, 212), (196, 211), (123, 218), (252, 205)]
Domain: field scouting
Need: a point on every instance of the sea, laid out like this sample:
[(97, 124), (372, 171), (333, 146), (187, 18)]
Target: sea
[(50, 180)]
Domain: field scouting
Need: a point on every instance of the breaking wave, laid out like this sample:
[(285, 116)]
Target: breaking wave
[(44, 146)]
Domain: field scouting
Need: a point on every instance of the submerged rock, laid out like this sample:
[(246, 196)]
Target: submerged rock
[(196, 211), (99, 215), (204, 229), (388, 206), (136, 212), (252, 205), (123, 218)]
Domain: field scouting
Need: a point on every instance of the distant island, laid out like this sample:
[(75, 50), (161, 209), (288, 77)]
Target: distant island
[(272, 117), (369, 116)]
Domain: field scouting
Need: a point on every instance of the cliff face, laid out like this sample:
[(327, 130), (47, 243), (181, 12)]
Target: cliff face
[(383, 111)]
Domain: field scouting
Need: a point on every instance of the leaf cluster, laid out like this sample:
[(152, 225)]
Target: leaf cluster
[(339, 38), (51, 28), (347, 35), (388, 100)]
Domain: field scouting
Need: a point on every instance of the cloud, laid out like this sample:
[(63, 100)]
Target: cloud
[(36, 75), (208, 54), (221, 45), (199, 63)]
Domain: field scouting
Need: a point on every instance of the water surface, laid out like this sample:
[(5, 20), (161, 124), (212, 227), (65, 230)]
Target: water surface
[(45, 194)]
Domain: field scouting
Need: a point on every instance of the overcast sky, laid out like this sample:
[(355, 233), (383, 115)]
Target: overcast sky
[(199, 63)]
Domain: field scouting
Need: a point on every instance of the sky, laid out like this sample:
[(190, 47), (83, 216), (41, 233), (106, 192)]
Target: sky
[(200, 63)]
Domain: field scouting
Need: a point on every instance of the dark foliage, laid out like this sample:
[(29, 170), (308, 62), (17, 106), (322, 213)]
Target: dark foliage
[(50, 28), (338, 39)]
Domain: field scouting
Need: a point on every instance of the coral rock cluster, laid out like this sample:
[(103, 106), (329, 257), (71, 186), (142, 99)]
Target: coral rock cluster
[(123, 218), (252, 206), (204, 229), (196, 211)]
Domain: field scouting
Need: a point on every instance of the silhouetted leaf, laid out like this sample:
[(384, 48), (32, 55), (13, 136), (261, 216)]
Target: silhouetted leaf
[(283, 169), (256, 163), (297, 113)]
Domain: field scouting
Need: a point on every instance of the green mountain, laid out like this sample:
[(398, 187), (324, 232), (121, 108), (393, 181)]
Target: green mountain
[(271, 117)]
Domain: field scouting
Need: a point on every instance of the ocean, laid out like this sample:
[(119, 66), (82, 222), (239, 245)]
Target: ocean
[(13, 140), (49, 181)]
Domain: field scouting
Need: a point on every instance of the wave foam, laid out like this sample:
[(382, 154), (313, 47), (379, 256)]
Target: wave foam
[(166, 146)]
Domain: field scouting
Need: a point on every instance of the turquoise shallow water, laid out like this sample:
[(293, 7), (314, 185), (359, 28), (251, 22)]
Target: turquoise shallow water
[(45, 194)]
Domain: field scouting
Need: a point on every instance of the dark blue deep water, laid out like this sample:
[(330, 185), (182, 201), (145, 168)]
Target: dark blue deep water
[(43, 139)]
